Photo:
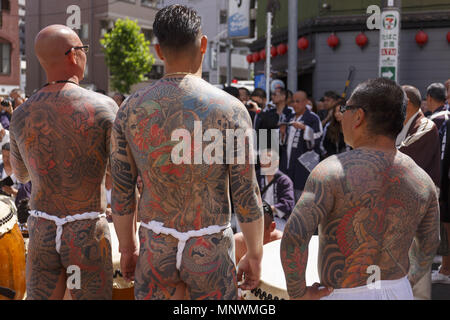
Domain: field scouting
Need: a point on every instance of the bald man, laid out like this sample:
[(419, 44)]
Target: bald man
[(302, 137), (60, 140)]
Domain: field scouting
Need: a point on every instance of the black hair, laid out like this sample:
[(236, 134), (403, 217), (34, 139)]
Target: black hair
[(232, 90), (246, 90), (437, 91), (384, 103), (101, 91), (258, 92), (6, 146), (332, 94), (176, 26)]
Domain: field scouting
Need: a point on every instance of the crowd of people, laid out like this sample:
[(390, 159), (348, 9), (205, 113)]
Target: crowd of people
[(338, 173)]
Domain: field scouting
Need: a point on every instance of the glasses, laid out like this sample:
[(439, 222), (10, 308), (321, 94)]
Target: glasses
[(84, 48), (344, 108)]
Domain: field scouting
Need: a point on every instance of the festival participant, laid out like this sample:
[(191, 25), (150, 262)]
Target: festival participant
[(186, 241), (60, 139), (371, 204)]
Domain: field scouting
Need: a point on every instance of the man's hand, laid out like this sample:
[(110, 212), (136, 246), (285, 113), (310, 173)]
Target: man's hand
[(10, 190), (128, 265), (315, 292), (253, 106), (251, 269), (299, 125)]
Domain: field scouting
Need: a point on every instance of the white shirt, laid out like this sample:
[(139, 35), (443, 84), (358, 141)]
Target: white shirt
[(402, 135), (291, 136)]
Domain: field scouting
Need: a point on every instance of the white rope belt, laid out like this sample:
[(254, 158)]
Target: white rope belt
[(60, 222), (183, 237)]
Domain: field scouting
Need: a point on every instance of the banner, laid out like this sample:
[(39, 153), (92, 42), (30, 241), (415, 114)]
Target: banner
[(239, 19)]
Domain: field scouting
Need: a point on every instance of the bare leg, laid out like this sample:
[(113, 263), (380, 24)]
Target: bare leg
[(445, 266)]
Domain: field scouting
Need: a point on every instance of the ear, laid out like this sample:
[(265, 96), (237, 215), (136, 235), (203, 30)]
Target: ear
[(71, 56), (159, 51), (203, 44), (360, 116)]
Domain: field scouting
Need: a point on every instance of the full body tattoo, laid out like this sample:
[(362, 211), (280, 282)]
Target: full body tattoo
[(184, 197), (370, 206), (61, 141)]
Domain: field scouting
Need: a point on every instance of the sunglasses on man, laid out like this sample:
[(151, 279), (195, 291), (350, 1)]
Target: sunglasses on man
[(84, 48), (346, 107)]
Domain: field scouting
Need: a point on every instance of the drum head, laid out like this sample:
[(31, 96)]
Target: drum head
[(7, 218)]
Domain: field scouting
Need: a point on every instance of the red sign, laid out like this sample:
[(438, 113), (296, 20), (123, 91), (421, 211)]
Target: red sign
[(389, 52)]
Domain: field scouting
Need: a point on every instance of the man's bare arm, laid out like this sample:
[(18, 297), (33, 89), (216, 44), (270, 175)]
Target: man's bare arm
[(248, 205), (425, 243), (124, 177), (17, 163), (316, 202)]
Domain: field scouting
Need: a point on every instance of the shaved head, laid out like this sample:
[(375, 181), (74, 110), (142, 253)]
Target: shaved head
[(52, 42), (50, 47)]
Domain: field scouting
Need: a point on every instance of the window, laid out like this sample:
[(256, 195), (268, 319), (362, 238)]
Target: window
[(149, 3), (5, 58), (5, 5), (223, 16)]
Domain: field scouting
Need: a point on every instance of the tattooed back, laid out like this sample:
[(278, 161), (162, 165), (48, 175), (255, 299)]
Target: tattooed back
[(61, 141), (377, 203), (194, 193)]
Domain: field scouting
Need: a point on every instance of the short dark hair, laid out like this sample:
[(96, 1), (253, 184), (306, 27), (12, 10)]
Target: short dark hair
[(413, 95), (176, 26), (437, 91), (384, 103), (258, 92), (6, 146), (283, 92), (232, 90), (332, 94), (246, 90)]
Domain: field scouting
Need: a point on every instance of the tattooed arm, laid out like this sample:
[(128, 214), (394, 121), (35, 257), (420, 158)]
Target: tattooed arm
[(123, 198), (19, 168), (316, 202), (247, 204), (425, 243)]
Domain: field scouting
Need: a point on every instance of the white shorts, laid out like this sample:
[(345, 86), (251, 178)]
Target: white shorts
[(383, 290)]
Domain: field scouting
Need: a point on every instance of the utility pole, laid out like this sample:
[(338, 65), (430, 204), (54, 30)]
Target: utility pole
[(268, 55), (292, 46), (229, 67)]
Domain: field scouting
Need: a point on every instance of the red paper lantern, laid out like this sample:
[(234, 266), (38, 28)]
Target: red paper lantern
[(303, 43), (262, 54), (250, 58), (421, 38), (448, 37), (333, 41), (273, 52), (282, 49), (361, 40), (256, 57)]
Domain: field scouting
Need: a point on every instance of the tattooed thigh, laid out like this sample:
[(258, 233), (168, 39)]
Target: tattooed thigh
[(208, 267), (156, 275), (86, 254), (45, 275)]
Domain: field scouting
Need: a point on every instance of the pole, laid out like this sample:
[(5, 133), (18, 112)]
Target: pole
[(268, 55), (292, 46), (229, 50), (218, 61), (390, 40)]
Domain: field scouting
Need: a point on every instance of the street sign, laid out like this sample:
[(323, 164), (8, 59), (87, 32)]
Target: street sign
[(389, 44), (239, 19)]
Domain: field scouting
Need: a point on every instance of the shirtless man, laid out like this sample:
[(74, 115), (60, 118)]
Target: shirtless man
[(182, 198), (371, 204), (60, 139)]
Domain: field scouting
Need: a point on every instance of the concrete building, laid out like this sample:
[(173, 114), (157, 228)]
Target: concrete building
[(322, 68), (23, 58), (9, 47), (97, 17), (214, 14)]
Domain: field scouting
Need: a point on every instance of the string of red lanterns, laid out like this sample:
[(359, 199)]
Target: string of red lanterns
[(333, 41)]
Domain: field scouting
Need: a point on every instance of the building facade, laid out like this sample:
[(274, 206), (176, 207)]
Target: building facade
[(214, 14), (97, 17), (322, 68), (9, 47)]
